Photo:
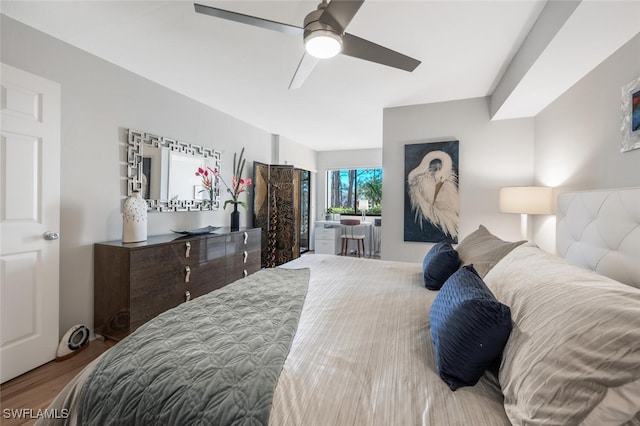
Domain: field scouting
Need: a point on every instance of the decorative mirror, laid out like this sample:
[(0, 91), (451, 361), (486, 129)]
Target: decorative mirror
[(164, 170)]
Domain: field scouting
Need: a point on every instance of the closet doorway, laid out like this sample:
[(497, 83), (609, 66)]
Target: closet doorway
[(305, 209)]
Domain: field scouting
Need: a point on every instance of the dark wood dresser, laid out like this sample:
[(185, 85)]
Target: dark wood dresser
[(135, 282)]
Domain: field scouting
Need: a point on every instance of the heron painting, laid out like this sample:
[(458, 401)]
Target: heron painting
[(432, 204)]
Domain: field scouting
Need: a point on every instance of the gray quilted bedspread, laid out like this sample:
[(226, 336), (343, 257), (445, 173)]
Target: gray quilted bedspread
[(212, 361)]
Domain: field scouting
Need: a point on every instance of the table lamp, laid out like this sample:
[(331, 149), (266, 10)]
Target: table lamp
[(363, 205), (525, 200)]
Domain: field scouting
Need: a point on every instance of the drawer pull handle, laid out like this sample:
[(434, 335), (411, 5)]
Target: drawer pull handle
[(246, 237), (244, 273), (244, 256), (187, 272), (188, 248), (187, 296)]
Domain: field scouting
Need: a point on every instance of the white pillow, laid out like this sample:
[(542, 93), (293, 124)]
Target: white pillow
[(617, 407), (576, 334)]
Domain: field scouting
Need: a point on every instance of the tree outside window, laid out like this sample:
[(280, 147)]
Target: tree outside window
[(346, 187)]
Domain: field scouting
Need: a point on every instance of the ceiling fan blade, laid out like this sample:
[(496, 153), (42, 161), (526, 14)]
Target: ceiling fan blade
[(306, 65), (339, 13), (364, 49), (247, 19)]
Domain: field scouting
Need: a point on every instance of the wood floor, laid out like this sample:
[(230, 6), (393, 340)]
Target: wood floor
[(36, 389)]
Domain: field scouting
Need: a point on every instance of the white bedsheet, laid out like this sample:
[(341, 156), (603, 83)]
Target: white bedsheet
[(362, 354)]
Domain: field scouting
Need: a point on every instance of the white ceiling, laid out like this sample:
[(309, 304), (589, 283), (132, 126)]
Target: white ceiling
[(465, 48)]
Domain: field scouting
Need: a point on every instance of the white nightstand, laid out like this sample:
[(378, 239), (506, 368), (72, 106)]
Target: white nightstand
[(328, 240)]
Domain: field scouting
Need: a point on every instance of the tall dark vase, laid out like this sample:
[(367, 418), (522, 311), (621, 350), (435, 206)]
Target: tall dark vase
[(235, 218)]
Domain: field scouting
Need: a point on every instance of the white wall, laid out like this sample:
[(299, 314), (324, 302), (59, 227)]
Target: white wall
[(290, 152), (578, 137), (492, 154), (100, 101)]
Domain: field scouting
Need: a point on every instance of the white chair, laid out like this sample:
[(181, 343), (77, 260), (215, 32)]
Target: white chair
[(349, 235)]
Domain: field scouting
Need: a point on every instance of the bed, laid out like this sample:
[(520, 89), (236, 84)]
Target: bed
[(331, 340)]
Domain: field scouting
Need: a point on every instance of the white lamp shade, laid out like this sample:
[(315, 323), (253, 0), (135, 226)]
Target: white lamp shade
[(526, 200), (363, 204)]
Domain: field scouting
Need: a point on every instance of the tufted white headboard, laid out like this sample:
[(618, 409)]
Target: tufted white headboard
[(600, 230)]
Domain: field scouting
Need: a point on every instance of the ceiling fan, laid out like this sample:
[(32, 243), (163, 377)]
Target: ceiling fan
[(324, 37)]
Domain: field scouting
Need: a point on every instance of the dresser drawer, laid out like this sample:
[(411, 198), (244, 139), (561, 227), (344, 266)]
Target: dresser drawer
[(239, 242), (241, 264), (243, 254), (327, 246), (207, 277), (155, 294), (165, 258), (328, 233), (214, 248)]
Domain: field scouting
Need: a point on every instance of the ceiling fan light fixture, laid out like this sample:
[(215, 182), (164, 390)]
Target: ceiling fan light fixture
[(323, 44)]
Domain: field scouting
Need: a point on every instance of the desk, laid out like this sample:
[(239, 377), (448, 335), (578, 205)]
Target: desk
[(368, 231)]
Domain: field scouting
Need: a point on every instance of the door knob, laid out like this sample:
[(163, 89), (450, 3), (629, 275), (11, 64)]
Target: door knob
[(50, 235)]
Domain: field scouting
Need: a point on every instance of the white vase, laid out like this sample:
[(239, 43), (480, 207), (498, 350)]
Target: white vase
[(134, 219)]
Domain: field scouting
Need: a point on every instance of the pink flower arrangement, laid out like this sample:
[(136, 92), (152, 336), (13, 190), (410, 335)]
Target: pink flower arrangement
[(206, 180), (238, 184)]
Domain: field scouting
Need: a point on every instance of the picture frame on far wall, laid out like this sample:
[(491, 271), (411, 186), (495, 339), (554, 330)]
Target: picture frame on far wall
[(431, 199), (630, 125)]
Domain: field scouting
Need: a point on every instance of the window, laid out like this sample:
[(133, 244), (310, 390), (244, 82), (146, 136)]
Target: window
[(345, 187)]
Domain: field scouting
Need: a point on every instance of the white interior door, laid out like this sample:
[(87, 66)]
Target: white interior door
[(29, 221)]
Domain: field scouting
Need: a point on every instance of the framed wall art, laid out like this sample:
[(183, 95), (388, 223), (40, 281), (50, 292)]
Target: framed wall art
[(431, 199), (630, 125)]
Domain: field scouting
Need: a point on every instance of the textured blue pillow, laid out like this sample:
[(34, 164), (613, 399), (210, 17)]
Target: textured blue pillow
[(469, 328), (439, 264)]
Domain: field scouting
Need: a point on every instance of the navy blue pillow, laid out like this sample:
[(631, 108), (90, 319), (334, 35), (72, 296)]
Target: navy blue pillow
[(439, 264), (469, 328)]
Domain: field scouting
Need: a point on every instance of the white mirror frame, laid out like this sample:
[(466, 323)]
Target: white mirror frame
[(137, 140)]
